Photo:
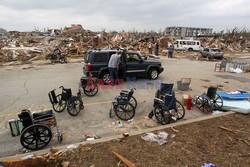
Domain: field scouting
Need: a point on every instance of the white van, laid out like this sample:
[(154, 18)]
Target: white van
[(190, 45)]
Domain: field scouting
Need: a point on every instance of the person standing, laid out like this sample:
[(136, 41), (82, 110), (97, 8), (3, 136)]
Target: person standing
[(170, 51), (113, 66), (149, 48), (156, 49)]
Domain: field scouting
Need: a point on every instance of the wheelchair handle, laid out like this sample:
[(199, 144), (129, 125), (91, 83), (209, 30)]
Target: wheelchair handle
[(61, 87)]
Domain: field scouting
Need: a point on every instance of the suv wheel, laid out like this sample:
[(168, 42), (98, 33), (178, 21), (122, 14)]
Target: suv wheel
[(190, 49), (105, 77), (153, 73)]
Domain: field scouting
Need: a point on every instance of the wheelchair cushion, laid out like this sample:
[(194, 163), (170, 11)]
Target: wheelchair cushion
[(66, 94), (43, 115), (26, 119)]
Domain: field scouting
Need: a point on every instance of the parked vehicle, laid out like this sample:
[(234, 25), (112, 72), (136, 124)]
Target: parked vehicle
[(190, 45), (212, 53), (96, 65)]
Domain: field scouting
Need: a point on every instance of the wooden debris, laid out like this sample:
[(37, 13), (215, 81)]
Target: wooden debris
[(65, 164), (174, 130), (231, 130), (124, 160)]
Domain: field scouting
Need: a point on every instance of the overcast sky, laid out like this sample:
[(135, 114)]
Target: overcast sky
[(119, 15)]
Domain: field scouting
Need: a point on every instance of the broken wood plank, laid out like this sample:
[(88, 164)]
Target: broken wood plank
[(124, 160), (227, 129)]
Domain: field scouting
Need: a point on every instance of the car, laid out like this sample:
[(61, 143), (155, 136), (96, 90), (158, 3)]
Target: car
[(212, 53), (96, 65)]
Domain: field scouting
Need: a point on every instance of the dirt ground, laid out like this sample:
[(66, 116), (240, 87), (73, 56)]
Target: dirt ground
[(223, 141)]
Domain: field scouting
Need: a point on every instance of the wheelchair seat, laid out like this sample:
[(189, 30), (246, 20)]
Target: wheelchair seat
[(43, 115)]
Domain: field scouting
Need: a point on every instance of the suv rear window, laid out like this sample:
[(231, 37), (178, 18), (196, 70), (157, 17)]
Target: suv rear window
[(100, 57)]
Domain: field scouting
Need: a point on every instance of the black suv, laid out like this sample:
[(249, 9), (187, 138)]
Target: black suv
[(96, 65)]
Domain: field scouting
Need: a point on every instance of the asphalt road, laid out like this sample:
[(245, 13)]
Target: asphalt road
[(27, 86)]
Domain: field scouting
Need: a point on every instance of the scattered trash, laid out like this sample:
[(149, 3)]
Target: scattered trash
[(120, 125), (161, 137), (28, 156), (208, 165), (125, 134), (72, 146), (237, 70), (90, 139), (130, 120)]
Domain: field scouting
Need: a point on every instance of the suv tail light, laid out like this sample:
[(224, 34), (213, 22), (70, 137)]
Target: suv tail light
[(89, 67)]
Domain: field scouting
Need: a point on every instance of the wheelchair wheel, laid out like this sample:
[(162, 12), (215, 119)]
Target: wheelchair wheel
[(125, 111), (61, 105), (180, 110), (203, 105), (133, 101), (74, 106), (36, 137), (217, 103), (90, 90), (162, 114)]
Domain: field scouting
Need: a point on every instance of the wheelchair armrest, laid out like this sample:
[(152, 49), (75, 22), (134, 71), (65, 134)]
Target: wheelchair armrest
[(124, 91)]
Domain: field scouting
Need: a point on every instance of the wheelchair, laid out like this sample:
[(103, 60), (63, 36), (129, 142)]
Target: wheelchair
[(207, 102), (36, 129), (166, 106), (89, 86), (124, 105), (59, 102)]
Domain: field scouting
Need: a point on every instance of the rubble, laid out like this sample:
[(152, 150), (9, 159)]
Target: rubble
[(36, 45)]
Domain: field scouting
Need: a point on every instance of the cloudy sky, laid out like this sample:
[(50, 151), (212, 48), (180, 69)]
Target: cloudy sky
[(120, 15)]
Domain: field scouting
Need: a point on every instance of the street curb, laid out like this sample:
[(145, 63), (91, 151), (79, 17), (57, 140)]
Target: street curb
[(105, 139)]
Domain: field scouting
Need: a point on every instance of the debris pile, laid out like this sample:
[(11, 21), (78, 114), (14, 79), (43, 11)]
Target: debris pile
[(35, 45)]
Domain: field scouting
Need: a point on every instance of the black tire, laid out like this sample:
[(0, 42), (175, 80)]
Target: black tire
[(90, 90), (36, 137), (162, 114), (105, 76), (125, 111), (60, 106), (180, 110), (190, 49), (203, 105), (217, 103), (153, 74), (133, 101), (60, 137), (74, 106)]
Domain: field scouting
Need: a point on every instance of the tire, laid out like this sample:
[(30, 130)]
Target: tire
[(60, 106), (203, 105), (90, 90), (105, 76), (190, 49), (133, 101), (74, 106), (153, 74), (125, 111), (217, 102), (36, 137), (180, 110), (162, 114)]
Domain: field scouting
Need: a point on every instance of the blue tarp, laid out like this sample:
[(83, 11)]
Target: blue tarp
[(235, 95)]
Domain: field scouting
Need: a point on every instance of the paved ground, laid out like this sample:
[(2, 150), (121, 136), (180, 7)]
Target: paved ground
[(24, 86)]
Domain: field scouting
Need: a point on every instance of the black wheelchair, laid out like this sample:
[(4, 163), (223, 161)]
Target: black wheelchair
[(166, 106), (36, 129), (59, 102), (89, 86), (207, 102), (124, 105)]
